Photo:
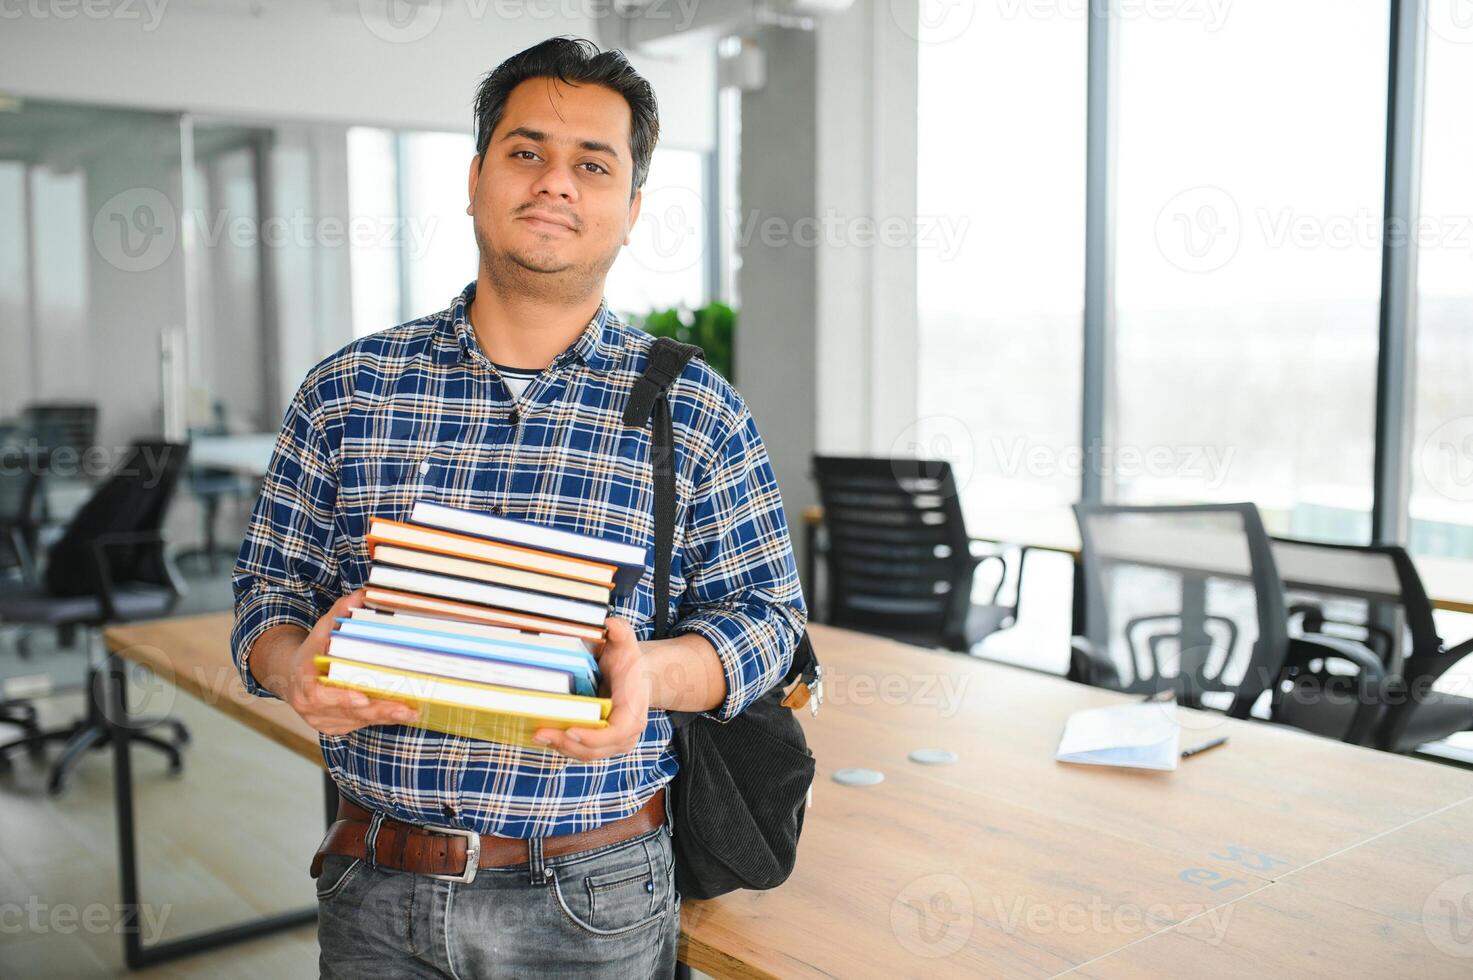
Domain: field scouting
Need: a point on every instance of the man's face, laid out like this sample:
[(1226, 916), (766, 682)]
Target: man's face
[(550, 195)]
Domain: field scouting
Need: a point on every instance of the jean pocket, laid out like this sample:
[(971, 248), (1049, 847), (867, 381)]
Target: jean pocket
[(337, 871), (619, 892)]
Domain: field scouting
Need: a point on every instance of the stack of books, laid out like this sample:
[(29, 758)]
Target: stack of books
[(482, 623)]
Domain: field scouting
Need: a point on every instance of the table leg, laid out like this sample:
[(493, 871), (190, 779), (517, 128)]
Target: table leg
[(135, 953)]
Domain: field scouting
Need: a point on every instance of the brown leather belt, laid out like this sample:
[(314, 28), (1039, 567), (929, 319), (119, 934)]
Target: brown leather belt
[(456, 855)]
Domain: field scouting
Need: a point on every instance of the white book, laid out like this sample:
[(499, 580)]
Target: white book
[(449, 665), (1135, 736), (485, 698), (444, 624), (427, 561), (485, 594)]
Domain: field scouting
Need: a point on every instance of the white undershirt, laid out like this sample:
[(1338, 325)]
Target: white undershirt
[(517, 379)]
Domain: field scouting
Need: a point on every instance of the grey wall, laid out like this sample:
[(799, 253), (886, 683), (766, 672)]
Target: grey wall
[(776, 339)]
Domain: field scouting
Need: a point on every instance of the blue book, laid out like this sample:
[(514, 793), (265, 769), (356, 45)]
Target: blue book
[(581, 667)]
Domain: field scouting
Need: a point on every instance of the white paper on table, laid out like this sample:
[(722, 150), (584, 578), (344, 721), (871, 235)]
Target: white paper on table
[(1136, 736)]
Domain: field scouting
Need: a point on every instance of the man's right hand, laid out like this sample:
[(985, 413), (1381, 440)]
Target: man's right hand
[(289, 673)]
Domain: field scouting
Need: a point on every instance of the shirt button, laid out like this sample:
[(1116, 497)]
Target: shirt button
[(513, 418), (496, 509), (448, 810)]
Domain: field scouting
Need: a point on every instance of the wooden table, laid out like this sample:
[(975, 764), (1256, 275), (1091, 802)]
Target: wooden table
[(1280, 853)]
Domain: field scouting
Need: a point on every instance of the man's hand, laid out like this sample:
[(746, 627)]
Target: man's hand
[(620, 661), (290, 673)]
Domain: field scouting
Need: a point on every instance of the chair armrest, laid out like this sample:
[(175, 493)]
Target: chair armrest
[(1429, 669), (103, 542), (1087, 667), (979, 560), (1372, 676), (1303, 649)]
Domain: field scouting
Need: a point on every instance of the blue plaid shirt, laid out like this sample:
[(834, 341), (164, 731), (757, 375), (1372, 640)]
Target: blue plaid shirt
[(418, 412)]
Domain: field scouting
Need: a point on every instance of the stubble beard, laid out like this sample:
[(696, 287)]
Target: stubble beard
[(542, 277)]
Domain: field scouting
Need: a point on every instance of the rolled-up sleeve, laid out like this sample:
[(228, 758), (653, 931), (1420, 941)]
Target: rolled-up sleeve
[(742, 592), (286, 571)]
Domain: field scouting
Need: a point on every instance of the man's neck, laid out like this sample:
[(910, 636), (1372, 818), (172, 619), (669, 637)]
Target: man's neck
[(526, 331)]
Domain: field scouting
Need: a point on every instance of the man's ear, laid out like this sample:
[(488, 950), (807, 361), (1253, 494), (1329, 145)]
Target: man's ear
[(471, 183), (634, 213)]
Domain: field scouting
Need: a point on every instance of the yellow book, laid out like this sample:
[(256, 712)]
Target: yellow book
[(468, 709)]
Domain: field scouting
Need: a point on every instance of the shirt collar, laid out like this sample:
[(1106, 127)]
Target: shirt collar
[(600, 345)]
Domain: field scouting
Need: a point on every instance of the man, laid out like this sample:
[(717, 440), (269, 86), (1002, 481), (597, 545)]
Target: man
[(510, 402)]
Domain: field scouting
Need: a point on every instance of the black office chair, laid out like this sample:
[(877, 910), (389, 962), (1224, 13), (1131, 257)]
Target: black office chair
[(1188, 599), (1372, 596), (211, 486), (21, 471), (110, 566), (897, 554)]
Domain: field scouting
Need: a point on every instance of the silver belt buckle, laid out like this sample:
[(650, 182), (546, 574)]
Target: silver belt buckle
[(472, 853)]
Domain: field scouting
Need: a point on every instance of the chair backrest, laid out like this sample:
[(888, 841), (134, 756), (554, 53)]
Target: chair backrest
[(898, 558), (134, 498), (1182, 598), (1368, 593), (70, 426), (21, 471)]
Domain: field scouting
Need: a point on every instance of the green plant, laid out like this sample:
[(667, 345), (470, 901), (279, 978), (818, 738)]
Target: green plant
[(710, 328)]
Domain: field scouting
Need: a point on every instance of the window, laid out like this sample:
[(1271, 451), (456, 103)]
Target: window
[(1442, 443), (999, 232), (665, 263), (1249, 201), (373, 260)]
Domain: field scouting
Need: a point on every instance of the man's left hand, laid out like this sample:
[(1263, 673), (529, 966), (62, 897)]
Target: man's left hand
[(620, 663)]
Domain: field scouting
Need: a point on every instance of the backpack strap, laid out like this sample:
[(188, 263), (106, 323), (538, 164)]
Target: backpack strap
[(649, 399)]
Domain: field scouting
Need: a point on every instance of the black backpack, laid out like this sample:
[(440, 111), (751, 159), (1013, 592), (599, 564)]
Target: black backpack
[(742, 788)]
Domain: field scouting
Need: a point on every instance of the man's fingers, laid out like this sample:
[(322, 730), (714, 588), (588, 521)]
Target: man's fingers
[(618, 629), (377, 711), (559, 742), (342, 607), (327, 697), (586, 744)]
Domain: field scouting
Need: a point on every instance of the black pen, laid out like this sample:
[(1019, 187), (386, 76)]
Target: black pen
[(1205, 746)]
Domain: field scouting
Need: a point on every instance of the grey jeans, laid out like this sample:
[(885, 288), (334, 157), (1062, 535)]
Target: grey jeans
[(607, 912)]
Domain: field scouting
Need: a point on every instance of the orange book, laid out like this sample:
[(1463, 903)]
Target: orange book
[(384, 531)]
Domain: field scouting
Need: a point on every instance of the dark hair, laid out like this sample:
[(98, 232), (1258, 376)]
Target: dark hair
[(576, 61)]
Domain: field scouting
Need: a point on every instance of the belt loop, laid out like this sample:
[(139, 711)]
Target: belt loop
[(370, 840), (535, 870), (669, 811)]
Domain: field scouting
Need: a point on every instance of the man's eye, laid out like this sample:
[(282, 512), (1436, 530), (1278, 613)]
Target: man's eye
[(595, 166), (529, 153)]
